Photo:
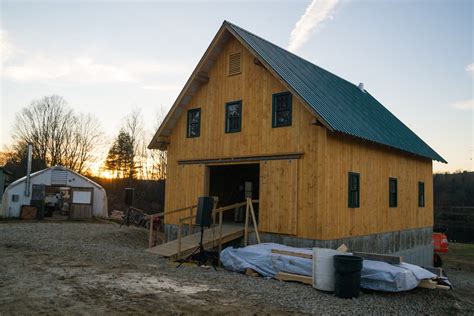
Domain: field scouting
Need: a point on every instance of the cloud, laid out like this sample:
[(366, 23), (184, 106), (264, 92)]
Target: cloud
[(163, 87), (464, 105), (470, 68), (57, 70), (80, 70), (316, 13), (7, 49), (84, 69)]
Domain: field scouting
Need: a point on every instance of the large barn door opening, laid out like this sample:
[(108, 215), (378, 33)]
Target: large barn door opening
[(233, 184), (278, 196)]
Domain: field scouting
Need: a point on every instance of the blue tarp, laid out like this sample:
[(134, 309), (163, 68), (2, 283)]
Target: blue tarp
[(376, 275)]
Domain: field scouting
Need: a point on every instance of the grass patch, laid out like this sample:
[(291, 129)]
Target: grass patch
[(459, 256)]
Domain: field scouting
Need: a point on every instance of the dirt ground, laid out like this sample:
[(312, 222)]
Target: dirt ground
[(98, 268)]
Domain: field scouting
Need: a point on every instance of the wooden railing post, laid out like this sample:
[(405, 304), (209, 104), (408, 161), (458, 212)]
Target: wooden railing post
[(216, 200), (190, 227), (246, 229), (252, 211), (179, 240), (150, 239), (220, 238)]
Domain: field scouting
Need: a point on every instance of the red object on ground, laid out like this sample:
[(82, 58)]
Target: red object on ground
[(440, 243)]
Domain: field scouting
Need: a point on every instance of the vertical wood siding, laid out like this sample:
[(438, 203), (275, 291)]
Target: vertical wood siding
[(279, 192), (375, 166), (307, 197)]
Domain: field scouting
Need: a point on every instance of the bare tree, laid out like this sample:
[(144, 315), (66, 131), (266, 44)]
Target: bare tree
[(148, 164), (58, 135), (158, 157), (133, 125), (83, 138)]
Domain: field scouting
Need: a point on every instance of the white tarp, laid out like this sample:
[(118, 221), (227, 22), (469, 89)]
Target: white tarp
[(375, 275)]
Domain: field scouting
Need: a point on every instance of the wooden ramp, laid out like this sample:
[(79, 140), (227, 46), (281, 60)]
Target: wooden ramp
[(191, 242)]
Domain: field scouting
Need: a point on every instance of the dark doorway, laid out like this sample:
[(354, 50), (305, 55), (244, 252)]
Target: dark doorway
[(232, 184)]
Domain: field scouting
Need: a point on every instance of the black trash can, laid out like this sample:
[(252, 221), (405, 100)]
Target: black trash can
[(347, 276)]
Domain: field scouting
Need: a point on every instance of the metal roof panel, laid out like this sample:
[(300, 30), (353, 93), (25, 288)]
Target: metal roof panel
[(343, 105)]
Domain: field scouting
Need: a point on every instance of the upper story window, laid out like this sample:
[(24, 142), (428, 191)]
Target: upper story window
[(354, 190), (421, 194), (235, 64), (233, 117), (392, 192), (281, 107), (194, 123)]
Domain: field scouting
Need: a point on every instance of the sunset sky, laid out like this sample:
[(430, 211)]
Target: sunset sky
[(107, 58)]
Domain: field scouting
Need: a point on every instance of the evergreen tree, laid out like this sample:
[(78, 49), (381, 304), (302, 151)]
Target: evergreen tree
[(120, 158)]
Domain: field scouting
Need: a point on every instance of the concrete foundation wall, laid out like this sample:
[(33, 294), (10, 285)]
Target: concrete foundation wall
[(414, 245)]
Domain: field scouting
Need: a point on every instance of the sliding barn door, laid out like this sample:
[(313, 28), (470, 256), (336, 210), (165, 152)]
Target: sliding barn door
[(278, 196)]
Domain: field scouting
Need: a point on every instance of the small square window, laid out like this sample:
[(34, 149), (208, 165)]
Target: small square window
[(281, 107), (15, 198), (354, 190), (194, 123), (233, 117), (392, 194), (421, 194)]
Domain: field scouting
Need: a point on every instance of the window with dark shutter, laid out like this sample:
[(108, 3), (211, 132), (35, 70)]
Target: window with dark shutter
[(281, 107), (354, 190), (421, 194), (392, 192), (194, 123), (233, 117), (235, 64)]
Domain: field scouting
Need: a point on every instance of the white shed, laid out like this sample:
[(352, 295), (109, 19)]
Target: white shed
[(55, 183)]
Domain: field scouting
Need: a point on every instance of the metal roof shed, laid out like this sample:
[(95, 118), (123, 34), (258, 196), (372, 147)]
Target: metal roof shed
[(83, 191)]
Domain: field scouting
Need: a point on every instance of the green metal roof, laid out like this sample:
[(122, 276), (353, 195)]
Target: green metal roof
[(341, 105)]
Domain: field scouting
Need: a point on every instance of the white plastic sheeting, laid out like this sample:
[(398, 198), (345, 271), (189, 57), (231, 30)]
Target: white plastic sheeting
[(375, 275), (261, 259), (382, 276)]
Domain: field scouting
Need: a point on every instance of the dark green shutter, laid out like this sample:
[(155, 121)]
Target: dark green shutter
[(421, 194), (354, 190), (392, 192)]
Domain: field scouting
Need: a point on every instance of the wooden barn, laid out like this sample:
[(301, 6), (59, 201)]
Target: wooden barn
[(327, 162)]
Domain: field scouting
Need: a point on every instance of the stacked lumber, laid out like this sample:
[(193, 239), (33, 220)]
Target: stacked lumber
[(433, 284), (117, 215), (436, 283), (284, 276)]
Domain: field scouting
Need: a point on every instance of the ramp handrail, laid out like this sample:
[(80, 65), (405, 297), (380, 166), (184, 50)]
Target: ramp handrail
[(249, 210), (162, 214)]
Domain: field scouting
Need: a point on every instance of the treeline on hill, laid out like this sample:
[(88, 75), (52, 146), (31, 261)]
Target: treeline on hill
[(149, 194), (454, 205), (61, 136), (453, 189)]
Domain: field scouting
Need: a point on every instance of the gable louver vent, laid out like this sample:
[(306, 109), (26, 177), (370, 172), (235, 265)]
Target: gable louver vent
[(235, 63), (58, 177)]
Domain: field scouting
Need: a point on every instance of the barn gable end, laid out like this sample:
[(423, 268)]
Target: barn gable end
[(301, 168)]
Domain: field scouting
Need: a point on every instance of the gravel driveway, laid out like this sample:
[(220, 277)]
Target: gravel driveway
[(97, 268)]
